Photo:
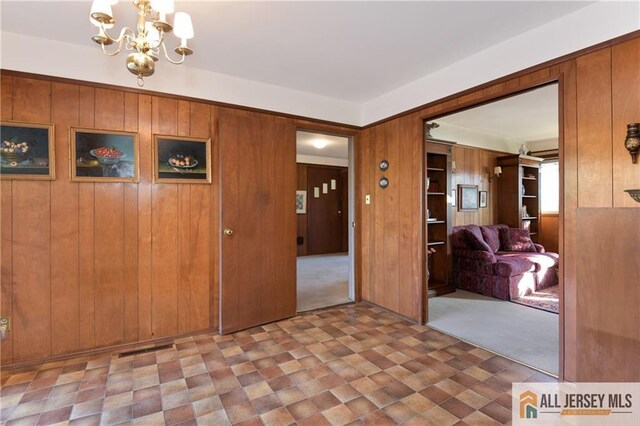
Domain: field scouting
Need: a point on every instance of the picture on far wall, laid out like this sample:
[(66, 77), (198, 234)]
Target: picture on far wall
[(103, 156), (301, 202), (483, 199), (26, 151), (181, 159), (468, 197)]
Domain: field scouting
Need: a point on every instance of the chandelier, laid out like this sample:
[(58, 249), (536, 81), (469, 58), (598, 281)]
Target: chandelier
[(147, 40)]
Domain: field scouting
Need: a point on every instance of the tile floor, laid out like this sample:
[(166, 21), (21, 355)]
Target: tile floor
[(348, 365)]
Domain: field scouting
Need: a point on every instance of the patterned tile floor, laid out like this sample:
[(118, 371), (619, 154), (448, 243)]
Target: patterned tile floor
[(348, 365)]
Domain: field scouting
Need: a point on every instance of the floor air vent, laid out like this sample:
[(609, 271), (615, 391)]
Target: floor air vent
[(145, 350)]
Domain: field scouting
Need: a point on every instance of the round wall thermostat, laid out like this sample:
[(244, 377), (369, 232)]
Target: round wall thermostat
[(384, 182), (384, 165)]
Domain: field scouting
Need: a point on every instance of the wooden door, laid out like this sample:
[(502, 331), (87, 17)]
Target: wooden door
[(258, 221), (325, 212)]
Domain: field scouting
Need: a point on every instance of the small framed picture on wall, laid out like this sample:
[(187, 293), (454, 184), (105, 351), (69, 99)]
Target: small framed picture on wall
[(467, 197), (301, 202), (483, 199)]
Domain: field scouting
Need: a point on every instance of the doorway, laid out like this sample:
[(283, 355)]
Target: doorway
[(324, 208), (506, 151)]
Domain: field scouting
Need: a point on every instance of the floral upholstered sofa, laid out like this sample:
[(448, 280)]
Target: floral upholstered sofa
[(500, 262)]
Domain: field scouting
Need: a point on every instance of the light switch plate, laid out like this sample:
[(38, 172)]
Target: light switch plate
[(367, 199)]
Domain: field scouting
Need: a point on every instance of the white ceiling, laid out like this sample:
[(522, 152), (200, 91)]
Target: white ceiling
[(505, 124), (353, 51), (335, 146)]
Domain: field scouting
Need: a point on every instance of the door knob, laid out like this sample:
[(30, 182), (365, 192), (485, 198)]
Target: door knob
[(228, 232)]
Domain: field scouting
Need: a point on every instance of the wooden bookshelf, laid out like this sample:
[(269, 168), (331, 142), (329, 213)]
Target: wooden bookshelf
[(439, 279), (518, 187)]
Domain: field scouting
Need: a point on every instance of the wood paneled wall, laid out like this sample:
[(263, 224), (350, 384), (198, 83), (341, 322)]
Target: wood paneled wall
[(549, 231), (88, 265), (600, 94), (94, 265), (473, 167)]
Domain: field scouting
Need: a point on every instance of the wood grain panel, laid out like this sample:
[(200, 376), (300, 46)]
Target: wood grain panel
[(64, 227), (109, 268), (164, 292), (202, 233), (250, 249), (130, 271), (6, 97), (594, 129), (549, 230), (608, 319), (389, 200), (31, 100), (86, 265), (164, 232), (109, 111), (145, 266), (270, 226), (406, 208), (230, 215), (6, 266), (625, 82), (568, 156), (184, 264), (31, 233)]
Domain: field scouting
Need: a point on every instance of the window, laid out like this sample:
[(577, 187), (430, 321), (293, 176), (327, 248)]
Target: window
[(550, 186)]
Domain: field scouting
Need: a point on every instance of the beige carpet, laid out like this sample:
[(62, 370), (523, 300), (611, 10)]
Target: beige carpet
[(323, 281), (516, 331)]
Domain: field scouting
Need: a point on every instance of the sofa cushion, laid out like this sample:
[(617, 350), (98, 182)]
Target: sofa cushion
[(458, 239), (491, 235), (516, 239), (541, 260), (474, 239), (510, 265)]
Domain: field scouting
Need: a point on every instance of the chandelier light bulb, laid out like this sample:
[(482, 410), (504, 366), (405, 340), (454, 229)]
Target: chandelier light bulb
[(101, 13), (182, 26)]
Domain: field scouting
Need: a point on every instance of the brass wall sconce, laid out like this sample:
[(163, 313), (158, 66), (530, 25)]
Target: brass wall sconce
[(497, 171), (632, 141)]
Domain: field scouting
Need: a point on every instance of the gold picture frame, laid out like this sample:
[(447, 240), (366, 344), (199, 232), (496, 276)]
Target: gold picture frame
[(181, 159), (27, 151), (98, 155)]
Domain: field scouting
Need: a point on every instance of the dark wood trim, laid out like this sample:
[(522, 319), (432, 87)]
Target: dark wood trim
[(553, 62), (22, 74)]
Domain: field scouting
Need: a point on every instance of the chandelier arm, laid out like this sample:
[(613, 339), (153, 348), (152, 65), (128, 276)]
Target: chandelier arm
[(124, 33), (166, 55), (115, 52)]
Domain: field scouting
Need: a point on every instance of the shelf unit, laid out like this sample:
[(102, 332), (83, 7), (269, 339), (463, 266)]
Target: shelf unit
[(438, 272), (518, 187)]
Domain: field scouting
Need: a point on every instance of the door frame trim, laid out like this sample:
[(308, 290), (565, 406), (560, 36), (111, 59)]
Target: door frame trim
[(353, 276)]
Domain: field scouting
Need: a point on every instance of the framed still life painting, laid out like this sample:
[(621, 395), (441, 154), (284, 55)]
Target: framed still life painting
[(103, 156), (27, 151), (180, 159)]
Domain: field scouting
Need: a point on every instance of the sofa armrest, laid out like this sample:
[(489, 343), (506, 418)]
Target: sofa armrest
[(480, 255), (539, 248)]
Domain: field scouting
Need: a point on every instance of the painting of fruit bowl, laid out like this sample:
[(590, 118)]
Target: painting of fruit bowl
[(107, 155), (103, 156), (181, 159), (26, 151)]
